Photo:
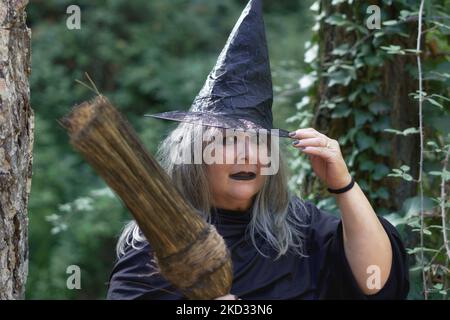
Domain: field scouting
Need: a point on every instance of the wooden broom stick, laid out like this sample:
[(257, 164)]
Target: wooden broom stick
[(190, 253)]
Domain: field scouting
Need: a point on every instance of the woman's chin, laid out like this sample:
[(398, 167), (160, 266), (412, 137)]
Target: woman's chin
[(244, 184), (243, 190)]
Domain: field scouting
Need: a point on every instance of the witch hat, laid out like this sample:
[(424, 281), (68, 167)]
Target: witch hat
[(238, 91)]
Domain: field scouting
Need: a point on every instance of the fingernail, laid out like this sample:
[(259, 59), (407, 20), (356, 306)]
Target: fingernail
[(291, 134), (303, 148), (294, 143)]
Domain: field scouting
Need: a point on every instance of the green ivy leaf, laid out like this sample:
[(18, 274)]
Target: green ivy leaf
[(383, 193), (441, 124), (339, 77), (336, 2), (411, 206), (349, 136), (363, 185), (381, 124), (367, 165), (361, 117), (373, 60), (404, 168), (380, 171), (395, 219), (382, 148), (443, 174), (390, 22), (364, 141), (341, 111), (393, 49), (354, 94), (341, 50), (378, 107), (401, 173), (418, 249), (404, 132), (438, 286), (337, 20), (435, 103)]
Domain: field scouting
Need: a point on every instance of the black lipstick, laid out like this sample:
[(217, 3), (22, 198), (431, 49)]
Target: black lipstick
[(243, 175)]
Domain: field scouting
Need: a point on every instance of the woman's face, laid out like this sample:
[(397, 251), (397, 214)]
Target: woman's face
[(235, 183)]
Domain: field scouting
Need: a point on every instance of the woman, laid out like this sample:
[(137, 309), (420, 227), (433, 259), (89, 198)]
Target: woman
[(281, 246)]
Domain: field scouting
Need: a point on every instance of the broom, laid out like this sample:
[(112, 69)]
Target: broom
[(189, 252)]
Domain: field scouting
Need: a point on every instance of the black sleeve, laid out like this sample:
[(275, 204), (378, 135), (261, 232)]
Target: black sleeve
[(336, 280), (134, 277)]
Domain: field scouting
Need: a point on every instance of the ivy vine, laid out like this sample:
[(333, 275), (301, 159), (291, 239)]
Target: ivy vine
[(344, 85)]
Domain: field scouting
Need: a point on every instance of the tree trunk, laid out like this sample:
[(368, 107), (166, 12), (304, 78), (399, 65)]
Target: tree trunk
[(16, 144), (396, 83)]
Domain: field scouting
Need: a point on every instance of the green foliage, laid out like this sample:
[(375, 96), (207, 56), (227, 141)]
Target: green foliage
[(84, 232), (352, 77)]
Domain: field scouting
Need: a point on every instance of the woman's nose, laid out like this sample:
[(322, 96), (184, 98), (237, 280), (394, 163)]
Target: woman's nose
[(247, 151)]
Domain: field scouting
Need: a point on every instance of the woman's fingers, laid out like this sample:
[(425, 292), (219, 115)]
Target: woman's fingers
[(305, 133), (325, 155), (314, 143), (318, 151), (311, 142)]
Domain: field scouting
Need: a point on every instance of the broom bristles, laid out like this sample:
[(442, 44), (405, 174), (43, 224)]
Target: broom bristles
[(191, 254)]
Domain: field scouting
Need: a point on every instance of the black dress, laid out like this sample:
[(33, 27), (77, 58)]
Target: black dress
[(323, 274)]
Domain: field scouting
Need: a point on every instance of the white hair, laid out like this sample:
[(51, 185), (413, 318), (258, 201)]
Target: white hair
[(277, 215)]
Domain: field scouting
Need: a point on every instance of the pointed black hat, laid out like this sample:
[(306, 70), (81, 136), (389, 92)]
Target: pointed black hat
[(238, 91)]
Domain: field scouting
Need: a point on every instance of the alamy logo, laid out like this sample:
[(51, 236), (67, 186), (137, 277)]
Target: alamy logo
[(374, 20), (232, 147), (74, 280), (374, 280), (73, 22)]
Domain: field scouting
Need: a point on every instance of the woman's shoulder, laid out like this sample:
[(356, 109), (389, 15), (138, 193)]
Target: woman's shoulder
[(134, 257)]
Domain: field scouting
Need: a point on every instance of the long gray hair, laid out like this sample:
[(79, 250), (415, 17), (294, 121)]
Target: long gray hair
[(276, 214)]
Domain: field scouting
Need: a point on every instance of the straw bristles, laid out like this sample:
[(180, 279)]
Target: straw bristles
[(171, 225)]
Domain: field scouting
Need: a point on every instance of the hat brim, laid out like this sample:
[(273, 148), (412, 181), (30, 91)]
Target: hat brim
[(216, 120)]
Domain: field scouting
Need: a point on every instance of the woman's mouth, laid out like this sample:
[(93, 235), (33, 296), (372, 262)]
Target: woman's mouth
[(243, 175)]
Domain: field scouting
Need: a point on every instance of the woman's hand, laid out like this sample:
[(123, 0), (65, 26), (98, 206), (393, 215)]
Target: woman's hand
[(325, 156), (366, 243)]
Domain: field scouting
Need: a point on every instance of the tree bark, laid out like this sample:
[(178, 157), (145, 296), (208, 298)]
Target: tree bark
[(396, 84), (16, 145)]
